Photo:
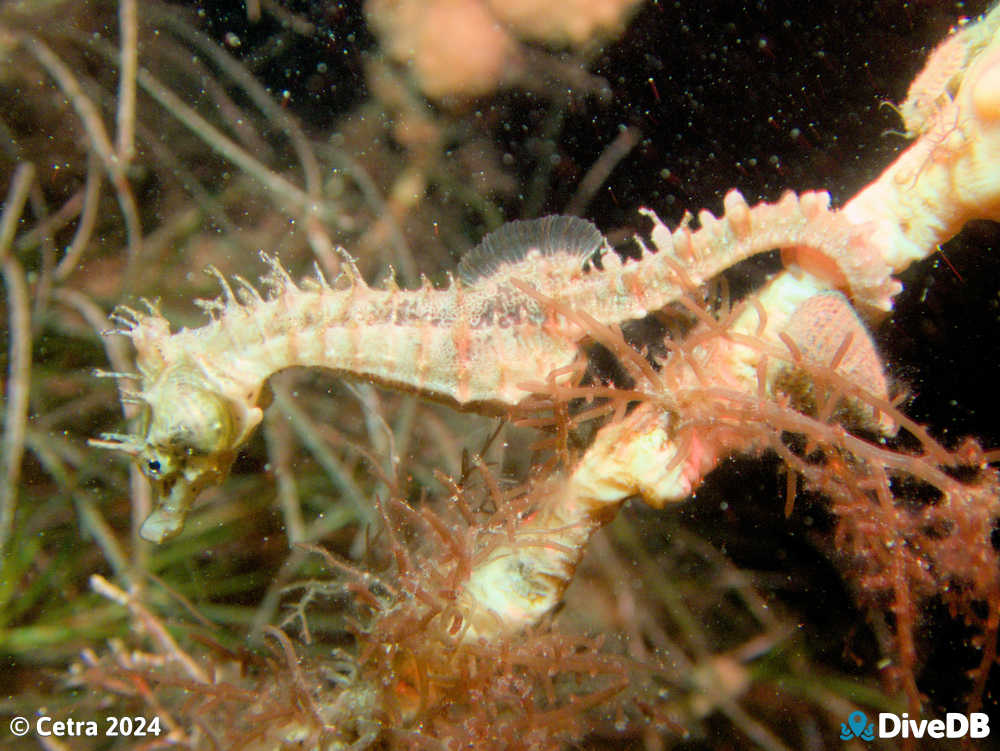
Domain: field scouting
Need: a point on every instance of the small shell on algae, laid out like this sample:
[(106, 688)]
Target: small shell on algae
[(825, 328)]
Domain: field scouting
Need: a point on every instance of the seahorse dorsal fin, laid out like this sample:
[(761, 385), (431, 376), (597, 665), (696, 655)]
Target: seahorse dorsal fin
[(514, 241)]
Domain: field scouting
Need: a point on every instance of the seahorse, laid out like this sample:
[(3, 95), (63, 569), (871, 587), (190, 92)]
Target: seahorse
[(474, 344)]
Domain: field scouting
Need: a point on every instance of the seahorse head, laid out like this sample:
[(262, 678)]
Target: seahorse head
[(190, 433)]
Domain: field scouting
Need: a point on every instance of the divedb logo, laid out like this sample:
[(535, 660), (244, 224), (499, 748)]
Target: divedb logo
[(954, 725)]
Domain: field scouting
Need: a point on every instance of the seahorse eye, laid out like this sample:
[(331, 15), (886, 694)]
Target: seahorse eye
[(186, 421), (189, 436), (158, 463)]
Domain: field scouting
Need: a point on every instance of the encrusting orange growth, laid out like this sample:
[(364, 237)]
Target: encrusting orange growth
[(455, 47), (460, 49)]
